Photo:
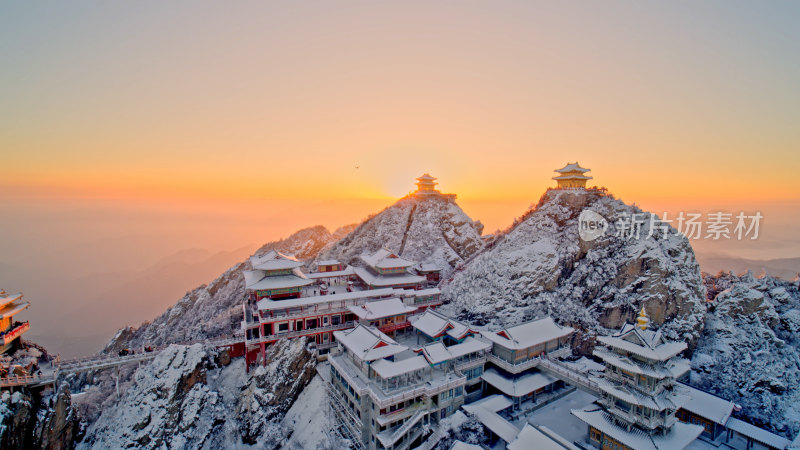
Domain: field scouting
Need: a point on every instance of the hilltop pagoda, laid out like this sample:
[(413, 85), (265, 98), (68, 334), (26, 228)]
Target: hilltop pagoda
[(639, 393), (426, 188), (11, 330), (572, 176)]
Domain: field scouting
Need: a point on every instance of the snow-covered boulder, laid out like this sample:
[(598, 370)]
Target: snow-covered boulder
[(542, 267), (749, 351)]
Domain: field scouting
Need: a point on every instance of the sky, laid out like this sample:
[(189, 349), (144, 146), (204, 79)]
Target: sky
[(133, 130)]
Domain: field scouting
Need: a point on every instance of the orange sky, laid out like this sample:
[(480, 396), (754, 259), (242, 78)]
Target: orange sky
[(190, 103)]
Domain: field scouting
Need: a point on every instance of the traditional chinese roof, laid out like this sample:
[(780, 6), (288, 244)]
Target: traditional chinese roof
[(368, 343), (709, 406), (528, 334), (648, 344), (679, 436), (757, 434), (380, 309), (8, 298), (10, 309), (672, 368), (437, 352), (426, 177), (257, 280), (672, 400), (385, 259), (274, 260), (434, 324), (395, 279), (572, 167), (388, 369), (328, 262), (517, 386), (540, 438)]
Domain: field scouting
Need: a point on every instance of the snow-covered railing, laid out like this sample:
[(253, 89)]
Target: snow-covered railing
[(388, 441), (569, 375), (292, 334), (25, 380), (514, 367)]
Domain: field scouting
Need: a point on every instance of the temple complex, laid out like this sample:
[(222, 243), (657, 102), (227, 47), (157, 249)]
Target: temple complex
[(426, 187)]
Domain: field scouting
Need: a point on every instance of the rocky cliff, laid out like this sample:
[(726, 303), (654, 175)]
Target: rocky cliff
[(541, 266), (427, 230), (196, 397), (749, 350)]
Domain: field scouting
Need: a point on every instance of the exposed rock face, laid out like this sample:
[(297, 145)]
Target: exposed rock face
[(30, 420), (542, 267), (427, 230), (749, 351), (187, 398)]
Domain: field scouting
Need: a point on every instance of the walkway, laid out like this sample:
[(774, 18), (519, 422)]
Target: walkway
[(99, 362)]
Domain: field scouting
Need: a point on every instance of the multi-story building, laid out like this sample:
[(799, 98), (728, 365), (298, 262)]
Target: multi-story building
[(516, 353), (384, 393), (275, 276), (639, 393), (11, 330)]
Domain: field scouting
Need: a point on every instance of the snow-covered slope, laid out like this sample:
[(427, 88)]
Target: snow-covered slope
[(542, 267), (215, 309), (196, 397), (427, 230), (749, 351)]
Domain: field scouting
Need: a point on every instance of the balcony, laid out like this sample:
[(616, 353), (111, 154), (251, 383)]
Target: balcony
[(16, 331), (383, 419), (389, 327), (293, 334)]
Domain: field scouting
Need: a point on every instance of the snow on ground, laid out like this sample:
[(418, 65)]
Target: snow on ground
[(556, 416), (308, 417)]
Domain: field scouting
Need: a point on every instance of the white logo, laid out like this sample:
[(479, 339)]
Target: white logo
[(591, 225)]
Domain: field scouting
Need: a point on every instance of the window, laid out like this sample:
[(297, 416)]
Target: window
[(283, 327), (335, 320)]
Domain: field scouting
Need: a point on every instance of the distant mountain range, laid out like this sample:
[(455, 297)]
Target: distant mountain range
[(786, 268)]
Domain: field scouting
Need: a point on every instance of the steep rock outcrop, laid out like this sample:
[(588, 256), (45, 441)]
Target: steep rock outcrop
[(542, 267), (749, 350), (188, 398)]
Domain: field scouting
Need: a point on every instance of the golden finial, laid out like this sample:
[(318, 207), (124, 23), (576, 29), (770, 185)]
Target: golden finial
[(643, 320)]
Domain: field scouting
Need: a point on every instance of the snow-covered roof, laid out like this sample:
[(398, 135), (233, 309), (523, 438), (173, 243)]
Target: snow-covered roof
[(273, 260), (381, 308), (519, 386), (673, 399), (347, 271), (384, 259), (531, 437), (279, 281), (268, 305), (572, 177), (674, 367), (12, 309), (438, 352), (428, 268), (499, 426), (368, 343), (399, 279), (528, 334), (709, 406), (493, 403), (678, 437), (426, 177), (460, 445), (434, 323), (387, 369), (645, 343), (572, 167), (328, 262), (758, 434), (6, 299)]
